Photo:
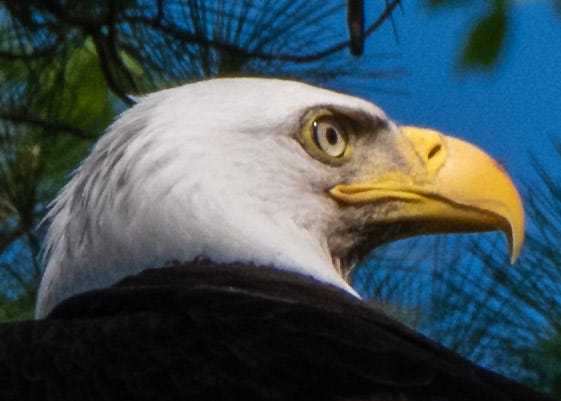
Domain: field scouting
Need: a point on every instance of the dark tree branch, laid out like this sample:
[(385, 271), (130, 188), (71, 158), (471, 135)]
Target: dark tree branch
[(35, 249), (181, 34), (60, 12), (390, 6), (106, 69), (11, 56), (394, 28), (115, 71), (113, 53), (355, 23), (46, 124), (160, 8), (93, 28)]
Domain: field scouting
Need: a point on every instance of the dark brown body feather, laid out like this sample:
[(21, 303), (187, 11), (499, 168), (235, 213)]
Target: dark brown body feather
[(232, 333)]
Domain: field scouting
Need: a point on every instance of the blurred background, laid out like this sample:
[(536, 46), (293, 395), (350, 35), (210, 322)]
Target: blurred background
[(488, 71)]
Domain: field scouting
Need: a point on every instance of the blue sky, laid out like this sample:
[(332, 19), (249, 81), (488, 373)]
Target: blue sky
[(510, 111)]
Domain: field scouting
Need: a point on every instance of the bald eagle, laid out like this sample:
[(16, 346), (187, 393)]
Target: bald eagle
[(203, 251)]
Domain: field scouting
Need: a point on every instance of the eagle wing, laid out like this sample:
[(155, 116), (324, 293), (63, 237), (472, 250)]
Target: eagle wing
[(234, 332)]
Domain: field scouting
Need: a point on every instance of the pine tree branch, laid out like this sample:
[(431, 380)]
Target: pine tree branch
[(194, 38), (46, 124)]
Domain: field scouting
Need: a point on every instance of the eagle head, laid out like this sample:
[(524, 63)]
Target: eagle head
[(263, 172)]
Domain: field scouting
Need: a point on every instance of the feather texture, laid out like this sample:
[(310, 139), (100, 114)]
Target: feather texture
[(231, 332)]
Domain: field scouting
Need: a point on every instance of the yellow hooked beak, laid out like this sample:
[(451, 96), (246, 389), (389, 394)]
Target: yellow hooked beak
[(462, 190)]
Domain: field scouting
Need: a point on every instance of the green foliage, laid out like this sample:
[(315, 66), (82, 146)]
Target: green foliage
[(12, 310), (488, 36), (84, 97), (486, 40)]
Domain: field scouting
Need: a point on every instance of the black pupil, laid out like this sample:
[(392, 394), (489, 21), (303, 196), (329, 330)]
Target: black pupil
[(331, 136)]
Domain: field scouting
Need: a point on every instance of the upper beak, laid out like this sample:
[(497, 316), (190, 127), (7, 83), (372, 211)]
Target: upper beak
[(462, 190)]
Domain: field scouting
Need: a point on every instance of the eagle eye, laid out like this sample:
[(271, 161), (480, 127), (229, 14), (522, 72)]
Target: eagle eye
[(327, 137)]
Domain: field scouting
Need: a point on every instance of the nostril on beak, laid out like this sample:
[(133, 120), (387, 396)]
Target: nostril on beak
[(434, 151), (429, 145)]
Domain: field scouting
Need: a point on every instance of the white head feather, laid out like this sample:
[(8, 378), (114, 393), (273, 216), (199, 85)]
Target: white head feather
[(208, 170)]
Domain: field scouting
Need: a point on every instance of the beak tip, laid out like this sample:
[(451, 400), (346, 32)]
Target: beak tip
[(514, 229), (514, 256), (517, 228), (515, 245)]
